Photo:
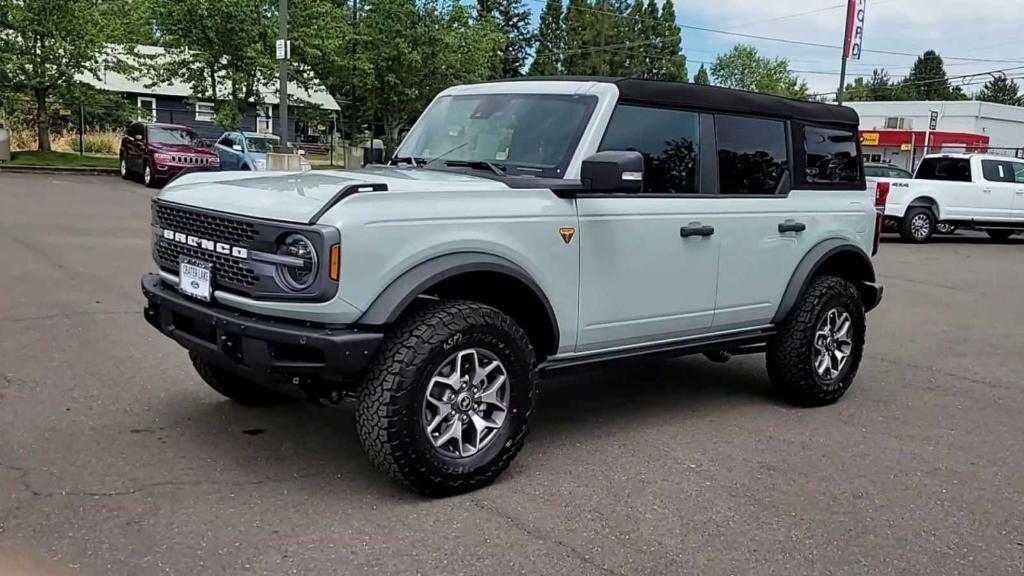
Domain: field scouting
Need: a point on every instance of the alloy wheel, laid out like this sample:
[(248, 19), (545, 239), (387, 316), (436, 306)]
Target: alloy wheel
[(920, 226), (833, 343), (466, 402)]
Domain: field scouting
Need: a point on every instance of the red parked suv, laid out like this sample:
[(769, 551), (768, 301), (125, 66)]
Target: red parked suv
[(158, 152)]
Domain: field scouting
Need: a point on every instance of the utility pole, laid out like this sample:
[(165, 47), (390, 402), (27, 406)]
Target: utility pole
[(850, 5), (283, 54)]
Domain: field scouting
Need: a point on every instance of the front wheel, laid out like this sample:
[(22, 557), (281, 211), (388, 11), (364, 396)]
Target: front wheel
[(999, 235), (918, 225), (125, 172), (148, 178), (445, 405), (814, 358)]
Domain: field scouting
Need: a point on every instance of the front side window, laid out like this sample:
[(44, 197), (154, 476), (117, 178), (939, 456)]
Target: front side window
[(831, 156), (669, 141), (752, 156), (161, 135), (948, 169), (526, 133)]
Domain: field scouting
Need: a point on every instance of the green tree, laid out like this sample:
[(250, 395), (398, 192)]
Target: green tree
[(671, 64), (701, 77), (744, 68), (877, 88), (43, 45), (576, 24), (223, 49), (927, 80), (512, 18), (550, 41), (1001, 91)]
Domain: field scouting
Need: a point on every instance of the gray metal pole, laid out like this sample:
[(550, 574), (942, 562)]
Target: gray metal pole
[(282, 106), (846, 42)]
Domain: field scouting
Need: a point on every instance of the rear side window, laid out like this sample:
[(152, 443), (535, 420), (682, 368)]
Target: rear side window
[(1018, 172), (831, 156), (949, 169), (997, 171), (669, 141), (752, 155)]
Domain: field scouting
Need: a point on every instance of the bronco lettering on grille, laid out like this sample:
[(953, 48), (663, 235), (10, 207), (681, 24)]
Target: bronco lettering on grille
[(204, 244)]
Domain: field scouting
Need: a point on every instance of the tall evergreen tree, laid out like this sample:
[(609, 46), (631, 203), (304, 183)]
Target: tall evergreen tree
[(672, 64), (636, 61), (550, 41), (877, 88), (650, 37), (1001, 91), (701, 77), (512, 18), (576, 25), (927, 80)]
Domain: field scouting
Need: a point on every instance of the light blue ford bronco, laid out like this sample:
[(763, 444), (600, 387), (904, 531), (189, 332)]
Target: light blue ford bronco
[(525, 228)]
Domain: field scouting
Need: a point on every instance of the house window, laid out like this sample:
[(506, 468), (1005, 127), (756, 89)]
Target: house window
[(204, 111), (147, 109), (897, 123), (265, 120)]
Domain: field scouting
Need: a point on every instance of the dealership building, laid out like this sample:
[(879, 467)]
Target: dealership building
[(899, 133)]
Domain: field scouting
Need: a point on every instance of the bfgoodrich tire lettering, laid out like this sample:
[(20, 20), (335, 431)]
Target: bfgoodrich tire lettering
[(791, 353), (391, 402), (238, 389)]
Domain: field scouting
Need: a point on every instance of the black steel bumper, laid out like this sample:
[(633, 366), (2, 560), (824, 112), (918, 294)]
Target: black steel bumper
[(264, 348), (871, 294)]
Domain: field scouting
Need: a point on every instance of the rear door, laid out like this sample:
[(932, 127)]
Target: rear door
[(649, 261), (776, 207), (995, 203)]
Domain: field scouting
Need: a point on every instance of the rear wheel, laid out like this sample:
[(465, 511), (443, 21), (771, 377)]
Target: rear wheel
[(445, 405), (918, 225), (236, 388), (999, 235), (814, 358)]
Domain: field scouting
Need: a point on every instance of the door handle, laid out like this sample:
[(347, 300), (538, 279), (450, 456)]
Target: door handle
[(696, 229), (986, 190), (791, 226)]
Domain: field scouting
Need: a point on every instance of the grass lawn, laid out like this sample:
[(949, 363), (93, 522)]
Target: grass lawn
[(61, 159)]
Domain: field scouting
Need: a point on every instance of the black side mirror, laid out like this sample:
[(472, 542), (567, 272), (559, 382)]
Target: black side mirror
[(613, 171)]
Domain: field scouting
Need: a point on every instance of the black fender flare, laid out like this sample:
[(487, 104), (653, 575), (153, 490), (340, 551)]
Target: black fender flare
[(812, 262), (394, 299)]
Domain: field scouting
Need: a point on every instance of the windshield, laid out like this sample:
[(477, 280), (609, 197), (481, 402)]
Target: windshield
[(528, 133), (261, 143), (173, 136)]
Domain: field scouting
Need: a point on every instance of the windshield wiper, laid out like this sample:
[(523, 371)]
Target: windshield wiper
[(498, 169), (414, 161)]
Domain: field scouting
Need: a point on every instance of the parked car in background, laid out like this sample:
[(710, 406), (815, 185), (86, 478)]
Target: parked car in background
[(959, 190), (245, 150), (874, 172), (159, 152)]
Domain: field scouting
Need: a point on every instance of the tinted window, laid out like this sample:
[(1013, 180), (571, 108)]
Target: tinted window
[(669, 141), (950, 169), (751, 154), (899, 173), (997, 171), (831, 156), (876, 172), (226, 140), (1018, 172), (134, 130)]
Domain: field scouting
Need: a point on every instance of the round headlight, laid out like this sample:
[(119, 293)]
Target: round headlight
[(297, 278)]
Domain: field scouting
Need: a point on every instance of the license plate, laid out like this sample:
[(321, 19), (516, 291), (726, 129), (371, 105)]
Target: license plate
[(194, 278)]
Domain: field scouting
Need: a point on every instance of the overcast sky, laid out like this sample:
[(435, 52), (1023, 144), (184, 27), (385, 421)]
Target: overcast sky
[(980, 29)]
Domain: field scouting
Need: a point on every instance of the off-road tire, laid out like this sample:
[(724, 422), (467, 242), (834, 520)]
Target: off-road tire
[(236, 388), (906, 230), (790, 355), (999, 235), (390, 407)]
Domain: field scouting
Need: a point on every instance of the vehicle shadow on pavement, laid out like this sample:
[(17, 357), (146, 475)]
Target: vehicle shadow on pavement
[(959, 239), (317, 448)]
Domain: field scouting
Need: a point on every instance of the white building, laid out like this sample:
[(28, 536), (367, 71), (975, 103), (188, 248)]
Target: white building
[(896, 132)]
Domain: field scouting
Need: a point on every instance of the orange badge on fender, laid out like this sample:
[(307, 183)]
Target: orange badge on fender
[(567, 234)]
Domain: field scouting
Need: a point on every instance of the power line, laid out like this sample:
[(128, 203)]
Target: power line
[(939, 80)]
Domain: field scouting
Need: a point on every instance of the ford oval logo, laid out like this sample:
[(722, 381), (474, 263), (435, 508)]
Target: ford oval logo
[(195, 285)]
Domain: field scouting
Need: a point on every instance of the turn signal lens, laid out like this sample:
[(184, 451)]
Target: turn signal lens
[(335, 262)]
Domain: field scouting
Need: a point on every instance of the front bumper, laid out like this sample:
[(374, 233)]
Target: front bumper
[(263, 348), (169, 171)]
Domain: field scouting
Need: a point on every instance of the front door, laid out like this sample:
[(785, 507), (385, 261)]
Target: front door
[(648, 262)]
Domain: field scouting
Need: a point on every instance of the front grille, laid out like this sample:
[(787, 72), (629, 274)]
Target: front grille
[(228, 271), (237, 232), (192, 160)]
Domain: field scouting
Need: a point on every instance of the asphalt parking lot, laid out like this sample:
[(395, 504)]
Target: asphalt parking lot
[(116, 459)]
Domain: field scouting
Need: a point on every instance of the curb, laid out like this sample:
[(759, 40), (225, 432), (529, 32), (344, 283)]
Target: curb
[(92, 171)]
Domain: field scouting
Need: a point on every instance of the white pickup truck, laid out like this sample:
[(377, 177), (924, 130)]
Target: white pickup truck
[(957, 190)]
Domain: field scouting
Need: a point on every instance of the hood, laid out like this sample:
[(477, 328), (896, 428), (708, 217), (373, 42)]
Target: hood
[(298, 196), (180, 149)]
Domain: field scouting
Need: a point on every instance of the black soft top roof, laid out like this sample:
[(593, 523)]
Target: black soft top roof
[(714, 98)]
